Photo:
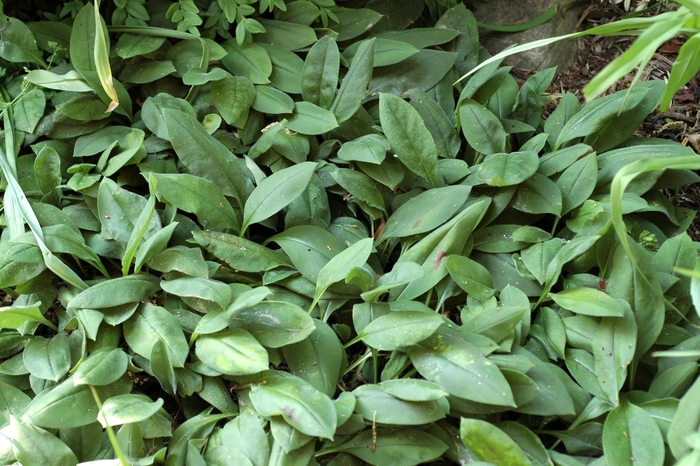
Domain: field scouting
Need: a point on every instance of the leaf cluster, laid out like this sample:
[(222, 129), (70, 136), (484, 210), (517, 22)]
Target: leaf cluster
[(310, 247)]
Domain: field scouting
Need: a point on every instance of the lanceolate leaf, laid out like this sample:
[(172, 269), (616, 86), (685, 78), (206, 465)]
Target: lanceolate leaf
[(319, 77), (302, 406), (460, 368), (482, 130), (394, 446), (409, 137), (425, 212), (631, 436), (354, 86), (203, 155), (614, 349), (276, 192), (490, 444), (339, 266), (399, 329)]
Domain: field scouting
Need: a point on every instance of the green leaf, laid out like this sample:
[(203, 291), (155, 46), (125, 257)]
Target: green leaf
[(394, 447), (286, 68), (203, 155), (490, 444), (288, 35), (319, 76), (124, 409), (340, 265), (578, 182), (409, 137), (119, 210), (196, 428), (614, 346), (233, 97), (198, 196), (553, 397), (240, 253), (48, 358), (353, 22), (200, 288), (401, 274), (599, 113), (216, 320), (153, 246), (413, 389), (16, 316), (276, 192), (507, 169), (273, 101), (130, 45), (245, 433), (275, 324), (426, 211), (311, 119), (423, 37), (103, 367), (400, 329), (69, 81), (685, 66), (188, 261), (28, 110), (199, 76), (13, 401), (422, 71), (147, 71), (631, 436), (309, 248), (153, 113), (286, 436), (386, 52), (299, 403), (17, 43), (370, 148), (362, 188), (162, 367), (377, 405), (67, 405), (685, 422), (353, 89), (32, 445), (640, 290), (232, 352), (481, 128), (461, 369), (247, 59), (590, 302), (318, 358), (471, 276), (538, 195), (150, 324), (116, 292), (437, 122)]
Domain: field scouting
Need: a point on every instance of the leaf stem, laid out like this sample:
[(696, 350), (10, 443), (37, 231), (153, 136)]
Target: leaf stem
[(110, 432)]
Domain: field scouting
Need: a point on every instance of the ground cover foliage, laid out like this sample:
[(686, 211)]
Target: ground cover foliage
[(268, 233)]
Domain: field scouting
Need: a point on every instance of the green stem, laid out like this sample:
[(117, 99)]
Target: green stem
[(110, 433), (375, 370), (360, 361)]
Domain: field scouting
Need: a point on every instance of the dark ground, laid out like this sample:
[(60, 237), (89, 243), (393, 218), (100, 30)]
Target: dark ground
[(681, 123)]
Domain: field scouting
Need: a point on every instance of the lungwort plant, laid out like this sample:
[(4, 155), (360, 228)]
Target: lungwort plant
[(253, 233)]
